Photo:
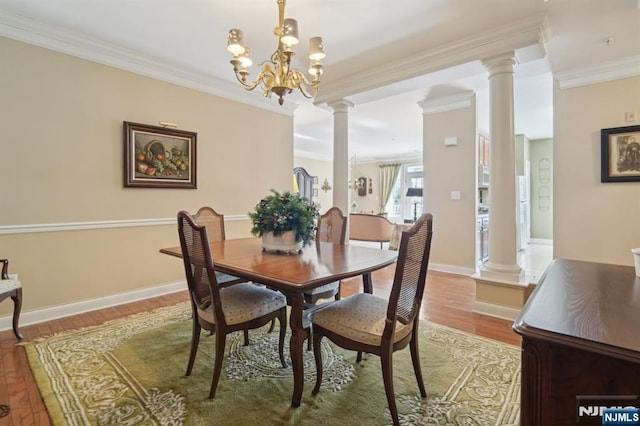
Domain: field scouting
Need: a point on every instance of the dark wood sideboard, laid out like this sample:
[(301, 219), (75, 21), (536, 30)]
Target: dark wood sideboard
[(580, 337)]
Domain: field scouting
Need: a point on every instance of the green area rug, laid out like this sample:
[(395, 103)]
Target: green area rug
[(131, 372)]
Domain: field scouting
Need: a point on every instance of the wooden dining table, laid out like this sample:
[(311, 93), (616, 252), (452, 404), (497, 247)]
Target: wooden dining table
[(319, 263)]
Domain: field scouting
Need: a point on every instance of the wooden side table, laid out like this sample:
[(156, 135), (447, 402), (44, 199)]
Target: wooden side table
[(580, 343)]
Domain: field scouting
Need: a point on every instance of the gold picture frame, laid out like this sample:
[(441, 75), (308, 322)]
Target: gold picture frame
[(159, 157)]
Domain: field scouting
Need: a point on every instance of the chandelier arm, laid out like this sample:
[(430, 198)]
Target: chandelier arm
[(259, 80), (299, 79)]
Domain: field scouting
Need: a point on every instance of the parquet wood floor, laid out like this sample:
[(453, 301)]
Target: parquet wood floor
[(448, 300)]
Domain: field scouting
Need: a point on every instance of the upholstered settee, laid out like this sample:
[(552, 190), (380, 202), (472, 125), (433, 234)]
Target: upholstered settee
[(369, 227)]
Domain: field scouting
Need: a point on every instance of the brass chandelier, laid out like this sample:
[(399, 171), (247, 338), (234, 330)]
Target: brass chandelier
[(277, 76)]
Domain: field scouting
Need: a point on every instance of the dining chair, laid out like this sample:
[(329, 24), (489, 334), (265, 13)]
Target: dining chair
[(227, 309), (10, 287), (331, 227), (214, 222), (367, 323)]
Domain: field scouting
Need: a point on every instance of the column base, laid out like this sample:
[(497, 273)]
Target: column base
[(501, 291)]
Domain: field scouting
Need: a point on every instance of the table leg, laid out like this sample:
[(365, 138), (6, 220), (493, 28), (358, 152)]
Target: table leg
[(296, 345), (367, 283)]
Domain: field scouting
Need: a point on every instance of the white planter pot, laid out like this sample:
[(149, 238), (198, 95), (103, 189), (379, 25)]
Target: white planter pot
[(283, 243)]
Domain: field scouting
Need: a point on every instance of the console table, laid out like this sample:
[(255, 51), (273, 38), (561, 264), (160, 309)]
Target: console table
[(580, 337)]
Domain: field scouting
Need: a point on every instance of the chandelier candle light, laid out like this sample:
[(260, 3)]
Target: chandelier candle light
[(277, 76)]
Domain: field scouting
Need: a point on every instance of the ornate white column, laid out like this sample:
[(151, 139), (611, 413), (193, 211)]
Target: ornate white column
[(502, 264), (341, 154)]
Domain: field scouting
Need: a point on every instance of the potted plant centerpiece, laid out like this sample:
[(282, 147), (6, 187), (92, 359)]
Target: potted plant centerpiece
[(286, 222)]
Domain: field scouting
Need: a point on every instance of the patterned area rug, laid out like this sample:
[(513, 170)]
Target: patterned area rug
[(131, 372)]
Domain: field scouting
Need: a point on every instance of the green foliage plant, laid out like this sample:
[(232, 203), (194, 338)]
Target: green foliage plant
[(285, 212)]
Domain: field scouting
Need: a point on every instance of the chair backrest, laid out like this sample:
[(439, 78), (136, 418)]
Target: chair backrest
[(198, 265), (411, 273), (369, 227), (332, 226), (213, 221)]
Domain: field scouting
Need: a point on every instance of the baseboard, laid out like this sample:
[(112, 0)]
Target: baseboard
[(451, 269), (48, 314), (498, 311)]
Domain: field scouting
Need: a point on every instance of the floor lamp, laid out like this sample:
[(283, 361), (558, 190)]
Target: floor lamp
[(415, 193)]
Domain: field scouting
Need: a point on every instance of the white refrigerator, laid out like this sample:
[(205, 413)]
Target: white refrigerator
[(523, 227)]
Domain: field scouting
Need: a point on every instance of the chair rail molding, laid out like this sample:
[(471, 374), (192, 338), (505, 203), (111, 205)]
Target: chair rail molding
[(79, 226)]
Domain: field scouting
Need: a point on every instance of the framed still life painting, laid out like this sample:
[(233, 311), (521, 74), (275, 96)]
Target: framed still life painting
[(159, 157), (620, 154)]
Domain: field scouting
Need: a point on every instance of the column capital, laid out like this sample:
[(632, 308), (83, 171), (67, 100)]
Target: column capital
[(341, 105), (500, 64)]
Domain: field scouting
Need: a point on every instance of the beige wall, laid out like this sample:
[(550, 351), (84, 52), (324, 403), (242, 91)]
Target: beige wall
[(61, 161), (592, 221), (446, 169)]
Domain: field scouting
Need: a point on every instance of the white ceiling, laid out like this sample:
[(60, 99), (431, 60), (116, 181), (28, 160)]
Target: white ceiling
[(382, 56)]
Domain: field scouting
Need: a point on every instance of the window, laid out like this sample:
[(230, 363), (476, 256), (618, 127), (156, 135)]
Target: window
[(400, 206)]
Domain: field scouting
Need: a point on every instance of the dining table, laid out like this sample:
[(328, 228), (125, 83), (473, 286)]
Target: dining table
[(317, 264)]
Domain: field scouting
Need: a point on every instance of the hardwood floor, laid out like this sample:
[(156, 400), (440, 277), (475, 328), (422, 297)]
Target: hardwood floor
[(448, 300)]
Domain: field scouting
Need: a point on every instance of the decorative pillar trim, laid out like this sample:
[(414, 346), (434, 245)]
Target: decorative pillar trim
[(341, 105), (500, 64), (448, 103)]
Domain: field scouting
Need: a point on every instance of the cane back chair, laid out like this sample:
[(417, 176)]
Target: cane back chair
[(367, 323), (223, 309)]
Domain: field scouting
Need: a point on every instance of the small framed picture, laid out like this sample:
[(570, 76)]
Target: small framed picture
[(315, 192), (159, 157), (315, 180), (620, 154)]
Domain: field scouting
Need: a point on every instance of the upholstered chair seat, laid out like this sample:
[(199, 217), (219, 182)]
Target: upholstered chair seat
[(361, 318), (245, 302), (9, 284)]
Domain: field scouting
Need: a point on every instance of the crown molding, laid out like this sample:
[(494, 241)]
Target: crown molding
[(608, 71), (35, 33), (501, 40), (448, 103)]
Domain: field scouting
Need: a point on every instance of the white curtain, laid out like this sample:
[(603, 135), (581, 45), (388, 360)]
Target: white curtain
[(388, 176)]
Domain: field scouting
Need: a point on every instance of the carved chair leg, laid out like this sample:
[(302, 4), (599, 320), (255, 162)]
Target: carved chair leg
[(17, 307), (282, 318), (221, 340), (273, 325), (195, 340), (386, 360), (415, 358), (317, 355), (246, 337)]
